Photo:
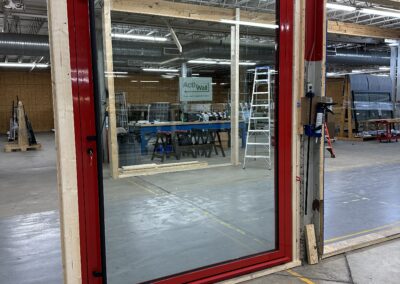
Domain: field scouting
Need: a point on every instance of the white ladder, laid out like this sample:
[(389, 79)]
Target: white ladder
[(258, 140)]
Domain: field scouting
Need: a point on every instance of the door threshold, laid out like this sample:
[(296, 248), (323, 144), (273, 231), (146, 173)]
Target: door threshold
[(361, 240)]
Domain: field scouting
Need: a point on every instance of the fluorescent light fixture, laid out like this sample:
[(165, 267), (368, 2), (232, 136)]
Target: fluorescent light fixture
[(116, 76), (385, 13), (357, 71), (392, 42), (139, 37), (159, 70), (134, 81), (340, 7), (149, 81), (202, 61), (167, 76), (195, 74), (252, 24), (213, 83), (116, 72), (23, 65), (220, 62), (384, 68)]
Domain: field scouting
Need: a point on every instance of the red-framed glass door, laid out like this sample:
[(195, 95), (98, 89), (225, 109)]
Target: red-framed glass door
[(90, 198)]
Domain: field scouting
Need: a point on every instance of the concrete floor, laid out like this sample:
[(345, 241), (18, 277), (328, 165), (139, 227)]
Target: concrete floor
[(373, 265), (177, 222), (230, 221), (30, 250), (361, 187)]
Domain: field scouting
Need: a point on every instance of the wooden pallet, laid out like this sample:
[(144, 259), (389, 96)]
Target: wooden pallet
[(14, 147)]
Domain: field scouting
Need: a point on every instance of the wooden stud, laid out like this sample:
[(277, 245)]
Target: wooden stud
[(187, 11), (65, 140), (23, 141), (311, 245), (215, 14), (109, 69), (235, 42), (350, 29)]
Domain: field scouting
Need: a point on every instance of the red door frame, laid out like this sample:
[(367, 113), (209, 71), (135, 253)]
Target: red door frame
[(86, 152)]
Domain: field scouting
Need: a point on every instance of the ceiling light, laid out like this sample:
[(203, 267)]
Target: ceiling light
[(247, 63), (385, 13), (220, 62), (139, 37), (134, 81), (252, 24), (195, 74), (24, 65), (116, 72), (392, 42), (202, 61), (149, 81), (340, 7), (159, 70), (384, 68)]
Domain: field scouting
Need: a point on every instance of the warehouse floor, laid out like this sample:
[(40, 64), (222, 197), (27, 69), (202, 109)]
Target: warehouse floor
[(192, 218), (361, 188), (373, 265)]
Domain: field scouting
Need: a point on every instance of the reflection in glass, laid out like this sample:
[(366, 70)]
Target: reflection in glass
[(177, 203)]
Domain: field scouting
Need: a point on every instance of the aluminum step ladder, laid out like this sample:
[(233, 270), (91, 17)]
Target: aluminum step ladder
[(258, 140)]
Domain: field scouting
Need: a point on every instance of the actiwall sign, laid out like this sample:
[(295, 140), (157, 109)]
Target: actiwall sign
[(195, 89)]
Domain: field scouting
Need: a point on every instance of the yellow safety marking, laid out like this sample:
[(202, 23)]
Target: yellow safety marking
[(300, 277), (361, 232)]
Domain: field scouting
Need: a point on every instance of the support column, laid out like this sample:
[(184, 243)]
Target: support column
[(393, 70), (315, 55), (235, 45), (65, 141), (397, 97), (109, 71)]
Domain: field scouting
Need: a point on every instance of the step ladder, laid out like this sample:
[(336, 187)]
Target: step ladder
[(258, 140), (329, 141)]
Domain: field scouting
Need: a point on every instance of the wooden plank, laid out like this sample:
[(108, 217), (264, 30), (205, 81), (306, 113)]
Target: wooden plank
[(187, 11), (14, 147), (393, 4), (297, 129), (65, 140), (22, 130), (109, 68), (235, 42), (311, 244), (165, 168), (361, 241), (215, 14), (351, 29)]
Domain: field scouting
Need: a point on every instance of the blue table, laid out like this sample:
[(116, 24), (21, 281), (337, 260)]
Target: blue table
[(153, 128)]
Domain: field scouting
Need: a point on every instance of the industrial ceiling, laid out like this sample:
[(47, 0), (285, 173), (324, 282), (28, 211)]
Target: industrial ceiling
[(25, 21)]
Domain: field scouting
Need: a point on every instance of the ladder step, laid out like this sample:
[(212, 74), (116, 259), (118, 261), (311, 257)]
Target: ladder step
[(262, 68), (262, 73), (261, 144), (257, 156), (261, 93), (259, 130), (260, 118), (261, 80), (261, 105)]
